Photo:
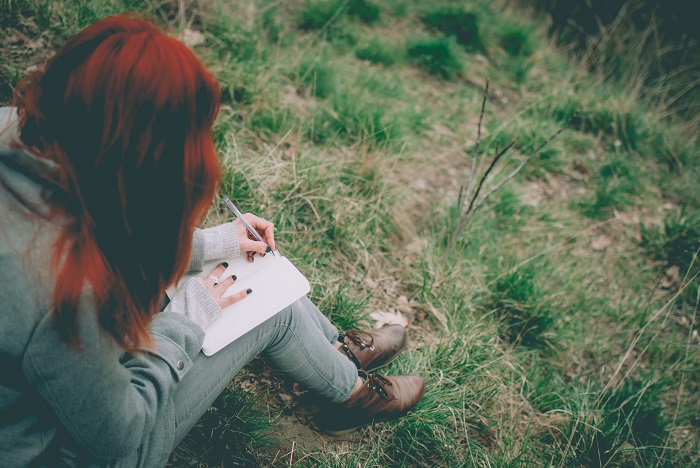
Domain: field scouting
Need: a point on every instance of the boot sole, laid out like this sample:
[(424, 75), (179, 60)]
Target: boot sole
[(353, 429)]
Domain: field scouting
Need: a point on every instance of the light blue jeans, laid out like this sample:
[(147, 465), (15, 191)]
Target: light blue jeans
[(298, 341)]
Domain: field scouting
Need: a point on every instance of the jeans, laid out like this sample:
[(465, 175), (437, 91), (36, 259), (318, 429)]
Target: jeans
[(298, 341)]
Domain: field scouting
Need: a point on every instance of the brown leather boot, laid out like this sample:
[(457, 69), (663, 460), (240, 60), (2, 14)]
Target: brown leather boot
[(374, 349), (379, 399)]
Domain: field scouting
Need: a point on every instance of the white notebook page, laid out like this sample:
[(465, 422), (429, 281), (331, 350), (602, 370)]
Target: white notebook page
[(275, 282)]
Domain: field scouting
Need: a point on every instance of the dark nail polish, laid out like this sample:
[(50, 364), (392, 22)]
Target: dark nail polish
[(253, 254), (225, 264), (248, 291), (268, 249), (234, 277)]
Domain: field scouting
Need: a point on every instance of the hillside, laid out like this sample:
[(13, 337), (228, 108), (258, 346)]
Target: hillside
[(558, 328)]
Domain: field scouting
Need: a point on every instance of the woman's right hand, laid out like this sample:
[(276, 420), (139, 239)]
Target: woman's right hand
[(245, 240), (217, 286)]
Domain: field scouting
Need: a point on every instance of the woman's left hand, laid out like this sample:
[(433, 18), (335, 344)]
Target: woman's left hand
[(245, 240)]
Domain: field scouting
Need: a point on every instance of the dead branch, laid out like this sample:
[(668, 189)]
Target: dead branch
[(520, 167), (486, 174), (475, 153), (472, 202)]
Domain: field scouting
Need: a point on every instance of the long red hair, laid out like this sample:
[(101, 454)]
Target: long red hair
[(126, 113)]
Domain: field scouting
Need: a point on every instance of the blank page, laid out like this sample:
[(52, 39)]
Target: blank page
[(276, 284)]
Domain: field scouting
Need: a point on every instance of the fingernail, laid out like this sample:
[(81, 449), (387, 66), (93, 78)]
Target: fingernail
[(268, 249), (225, 264), (234, 277), (248, 291)]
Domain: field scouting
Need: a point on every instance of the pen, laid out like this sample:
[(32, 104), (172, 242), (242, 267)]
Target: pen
[(236, 212)]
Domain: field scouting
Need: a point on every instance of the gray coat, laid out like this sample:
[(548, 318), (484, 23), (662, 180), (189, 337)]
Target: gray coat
[(97, 401)]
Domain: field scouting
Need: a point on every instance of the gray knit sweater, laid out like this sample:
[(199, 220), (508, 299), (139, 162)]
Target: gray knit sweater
[(99, 400)]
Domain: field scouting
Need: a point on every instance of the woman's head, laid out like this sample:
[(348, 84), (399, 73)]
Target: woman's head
[(126, 112)]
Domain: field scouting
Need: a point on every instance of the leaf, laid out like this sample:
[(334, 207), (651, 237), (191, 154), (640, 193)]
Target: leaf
[(388, 318)]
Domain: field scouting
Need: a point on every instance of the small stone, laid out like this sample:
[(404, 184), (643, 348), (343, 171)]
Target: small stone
[(626, 218), (672, 279), (420, 185), (601, 242)]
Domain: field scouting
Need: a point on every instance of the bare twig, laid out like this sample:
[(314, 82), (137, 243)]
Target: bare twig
[(467, 215), (469, 202), (520, 167), (475, 153), (486, 174)]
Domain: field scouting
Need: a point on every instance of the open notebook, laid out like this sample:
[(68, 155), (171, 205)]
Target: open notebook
[(275, 282)]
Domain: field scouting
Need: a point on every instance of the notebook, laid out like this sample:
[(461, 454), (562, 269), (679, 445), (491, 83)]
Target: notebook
[(275, 282)]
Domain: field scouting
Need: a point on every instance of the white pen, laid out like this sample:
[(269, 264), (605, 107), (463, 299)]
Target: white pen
[(237, 213)]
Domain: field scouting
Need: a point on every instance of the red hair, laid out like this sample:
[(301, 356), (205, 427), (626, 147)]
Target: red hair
[(126, 113)]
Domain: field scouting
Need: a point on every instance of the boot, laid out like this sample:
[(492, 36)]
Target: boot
[(379, 399), (377, 348)]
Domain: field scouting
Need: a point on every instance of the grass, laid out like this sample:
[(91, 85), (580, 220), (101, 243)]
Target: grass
[(378, 51), (437, 55), (344, 122), (616, 186), (521, 306), (456, 22)]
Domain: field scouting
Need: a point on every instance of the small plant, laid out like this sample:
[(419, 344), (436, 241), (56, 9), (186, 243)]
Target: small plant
[(521, 305), (436, 55), (362, 10), (516, 40), (614, 187), (317, 14), (355, 120), (316, 77), (632, 421), (455, 22), (378, 51), (344, 307), (676, 242)]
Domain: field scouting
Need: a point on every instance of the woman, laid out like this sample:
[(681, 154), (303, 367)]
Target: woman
[(106, 165)]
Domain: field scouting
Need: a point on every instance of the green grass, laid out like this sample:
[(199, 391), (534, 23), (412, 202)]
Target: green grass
[(519, 302), (345, 123), (456, 22), (316, 14), (516, 40), (378, 51), (233, 431), (616, 186), (316, 77), (437, 55)]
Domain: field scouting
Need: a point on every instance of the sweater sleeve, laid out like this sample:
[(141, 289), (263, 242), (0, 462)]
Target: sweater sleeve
[(107, 400), (214, 243)]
